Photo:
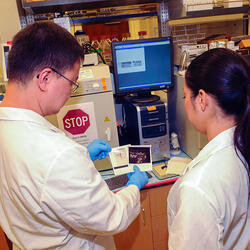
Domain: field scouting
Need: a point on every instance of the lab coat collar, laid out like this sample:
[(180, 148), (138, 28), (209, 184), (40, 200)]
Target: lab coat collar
[(26, 115), (222, 140)]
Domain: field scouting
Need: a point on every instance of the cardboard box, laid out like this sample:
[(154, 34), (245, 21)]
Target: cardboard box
[(244, 43), (233, 3)]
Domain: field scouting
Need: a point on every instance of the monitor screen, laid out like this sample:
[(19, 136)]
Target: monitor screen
[(141, 66)]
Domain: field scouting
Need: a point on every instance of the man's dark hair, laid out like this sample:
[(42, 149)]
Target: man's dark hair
[(41, 45)]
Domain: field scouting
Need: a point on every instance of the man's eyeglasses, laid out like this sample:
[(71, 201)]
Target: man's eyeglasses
[(75, 85)]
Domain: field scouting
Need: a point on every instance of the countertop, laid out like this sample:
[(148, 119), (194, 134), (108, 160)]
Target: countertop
[(153, 181)]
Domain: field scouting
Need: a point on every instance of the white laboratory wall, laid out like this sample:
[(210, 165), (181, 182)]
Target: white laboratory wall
[(149, 24), (9, 20)]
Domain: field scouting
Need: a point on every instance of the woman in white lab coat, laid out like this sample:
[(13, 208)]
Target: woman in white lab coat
[(208, 207)]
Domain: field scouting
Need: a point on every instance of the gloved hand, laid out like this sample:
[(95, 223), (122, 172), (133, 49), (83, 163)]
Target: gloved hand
[(138, 178), (98, 149)]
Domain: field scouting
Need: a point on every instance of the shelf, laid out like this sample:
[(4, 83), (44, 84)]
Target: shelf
[(111, 18), (218, 11), (50, 6), (213, 15), (206, 19)]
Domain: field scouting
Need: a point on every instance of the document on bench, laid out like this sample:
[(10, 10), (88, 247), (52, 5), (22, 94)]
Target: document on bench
[(177, 165), (125, 157)]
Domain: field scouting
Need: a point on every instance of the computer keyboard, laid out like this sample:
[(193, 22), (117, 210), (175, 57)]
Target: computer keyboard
[(120, 181)]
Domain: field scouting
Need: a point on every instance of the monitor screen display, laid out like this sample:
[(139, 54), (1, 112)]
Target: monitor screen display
[(141, 66)]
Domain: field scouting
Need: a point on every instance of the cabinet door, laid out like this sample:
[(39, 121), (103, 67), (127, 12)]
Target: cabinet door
[(139, 234), (158, 208), (158, 199)]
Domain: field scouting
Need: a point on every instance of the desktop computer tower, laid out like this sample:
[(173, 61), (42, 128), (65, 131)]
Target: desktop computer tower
[(147, 124)]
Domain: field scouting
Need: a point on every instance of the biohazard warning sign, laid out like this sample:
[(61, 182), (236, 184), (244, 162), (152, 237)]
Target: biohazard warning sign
[(78, 122)]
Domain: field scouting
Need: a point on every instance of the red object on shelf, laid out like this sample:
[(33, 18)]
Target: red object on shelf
[(142, 33)]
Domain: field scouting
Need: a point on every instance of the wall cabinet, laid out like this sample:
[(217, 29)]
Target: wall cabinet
[(150, 229)]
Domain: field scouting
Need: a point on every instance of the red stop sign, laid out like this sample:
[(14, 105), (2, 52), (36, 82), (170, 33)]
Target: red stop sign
[(76, 121)]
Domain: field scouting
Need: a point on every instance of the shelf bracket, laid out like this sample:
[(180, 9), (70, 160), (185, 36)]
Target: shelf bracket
[(163, 17)]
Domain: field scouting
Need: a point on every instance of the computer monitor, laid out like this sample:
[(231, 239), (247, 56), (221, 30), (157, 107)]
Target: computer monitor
[(141, 66)]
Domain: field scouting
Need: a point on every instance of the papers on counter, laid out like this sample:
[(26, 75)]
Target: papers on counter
[(177, 165), (173, 168)]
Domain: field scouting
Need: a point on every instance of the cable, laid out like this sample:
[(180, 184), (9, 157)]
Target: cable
[(124, 117)]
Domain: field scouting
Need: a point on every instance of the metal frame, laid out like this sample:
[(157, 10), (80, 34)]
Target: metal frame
[(163, 17), (40, 7), (26, 15), (27, 10)]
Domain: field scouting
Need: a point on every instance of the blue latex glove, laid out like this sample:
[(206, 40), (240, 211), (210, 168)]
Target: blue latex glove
[(98, 149), (138, 178)]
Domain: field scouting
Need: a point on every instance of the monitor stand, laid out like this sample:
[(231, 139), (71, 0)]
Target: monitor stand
[(145, 97)]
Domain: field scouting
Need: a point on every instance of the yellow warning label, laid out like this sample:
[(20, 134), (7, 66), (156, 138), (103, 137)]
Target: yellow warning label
[(151, 108), (104, 85), (107, 119)]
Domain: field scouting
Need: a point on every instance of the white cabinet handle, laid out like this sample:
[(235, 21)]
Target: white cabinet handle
[(108, 134)]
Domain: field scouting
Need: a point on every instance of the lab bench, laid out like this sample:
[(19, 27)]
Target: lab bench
[(149, 231)]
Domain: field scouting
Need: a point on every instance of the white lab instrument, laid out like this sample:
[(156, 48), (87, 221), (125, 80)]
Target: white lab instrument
[(175, 146), (90, 59)]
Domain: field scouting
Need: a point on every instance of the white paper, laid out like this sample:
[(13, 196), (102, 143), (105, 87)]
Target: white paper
[(63, 22), (81, 126), (119, 160), (86, 74), (125, 157), (177, 165)]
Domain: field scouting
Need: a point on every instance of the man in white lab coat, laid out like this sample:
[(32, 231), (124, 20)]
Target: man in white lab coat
[(51, 195)]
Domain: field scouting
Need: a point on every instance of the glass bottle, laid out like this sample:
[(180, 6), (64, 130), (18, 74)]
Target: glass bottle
[(125, 36), (142, 34), (114, 37), (105, 45), (95, 43)]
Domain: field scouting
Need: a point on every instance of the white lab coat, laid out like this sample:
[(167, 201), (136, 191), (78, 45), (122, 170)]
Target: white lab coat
[(208, 207), (51, 195)]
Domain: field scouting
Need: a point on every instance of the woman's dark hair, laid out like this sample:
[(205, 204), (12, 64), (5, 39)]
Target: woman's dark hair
[(41, 45), (226, 76)]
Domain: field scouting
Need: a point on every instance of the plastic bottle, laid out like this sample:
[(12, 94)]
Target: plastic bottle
[(175, 146), (81, 37)]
